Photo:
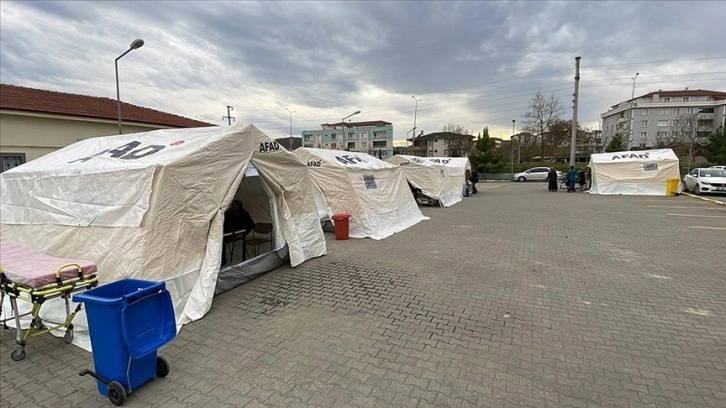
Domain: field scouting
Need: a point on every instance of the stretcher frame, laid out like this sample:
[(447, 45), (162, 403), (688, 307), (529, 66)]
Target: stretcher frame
[(62, 288)]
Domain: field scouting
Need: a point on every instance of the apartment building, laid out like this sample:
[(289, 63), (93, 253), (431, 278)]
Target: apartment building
[(372, 137), (443, 144), (658, 118)]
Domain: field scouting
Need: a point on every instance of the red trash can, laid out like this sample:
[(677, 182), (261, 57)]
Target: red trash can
[(341, 225)]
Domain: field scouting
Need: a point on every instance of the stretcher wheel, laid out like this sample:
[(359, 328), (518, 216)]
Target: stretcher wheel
[(162, 367), (68, 337), (116, 393), (17, 354)]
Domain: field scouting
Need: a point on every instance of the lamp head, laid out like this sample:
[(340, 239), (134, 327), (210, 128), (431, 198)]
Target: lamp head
[(138, 43), (355, 113)]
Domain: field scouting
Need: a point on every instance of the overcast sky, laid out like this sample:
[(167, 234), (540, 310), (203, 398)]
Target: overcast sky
[(474, 64)]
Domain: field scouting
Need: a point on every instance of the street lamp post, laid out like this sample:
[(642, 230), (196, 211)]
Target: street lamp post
[(693, 136), (511, 149), (415, 112), (342, 123), (631, 120), (289, 145), (138, 43)]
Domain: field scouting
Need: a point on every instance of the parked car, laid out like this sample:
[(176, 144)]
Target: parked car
[(705, 181), (535, 174)]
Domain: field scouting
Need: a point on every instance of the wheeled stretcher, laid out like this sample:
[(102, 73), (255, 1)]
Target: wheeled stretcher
[(34, 277)]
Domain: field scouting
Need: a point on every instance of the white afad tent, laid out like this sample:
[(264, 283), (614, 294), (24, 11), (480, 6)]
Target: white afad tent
[(374, 192), (435, 179), (642, 172), (151, 206)]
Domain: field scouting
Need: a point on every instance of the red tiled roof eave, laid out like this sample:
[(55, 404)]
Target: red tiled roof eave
[(20, 98)]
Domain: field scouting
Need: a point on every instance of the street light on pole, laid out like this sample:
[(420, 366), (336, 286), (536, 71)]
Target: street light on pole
[(631, 119), (342, 125), (290, 141), (511, 149), (415, 112), (693, 136), (138, 43)]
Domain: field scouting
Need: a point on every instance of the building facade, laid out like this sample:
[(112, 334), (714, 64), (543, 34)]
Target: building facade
[(373, 137), (661, 118), (443, 144), (35, 122)]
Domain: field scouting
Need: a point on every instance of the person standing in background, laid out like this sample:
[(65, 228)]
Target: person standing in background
[(552, 179), (571, 179)]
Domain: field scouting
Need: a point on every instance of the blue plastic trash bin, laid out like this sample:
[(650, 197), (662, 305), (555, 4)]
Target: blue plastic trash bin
[(128, 321)]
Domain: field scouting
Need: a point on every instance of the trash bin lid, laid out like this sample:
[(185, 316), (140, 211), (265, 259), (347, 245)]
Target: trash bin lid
[(340, 216)]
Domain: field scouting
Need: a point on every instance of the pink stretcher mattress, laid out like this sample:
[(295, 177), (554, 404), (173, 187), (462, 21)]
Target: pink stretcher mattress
[(28, 267)]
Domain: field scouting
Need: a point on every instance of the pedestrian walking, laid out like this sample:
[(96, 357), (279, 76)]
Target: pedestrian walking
[(552, 179), (474, 179), (571, 179)]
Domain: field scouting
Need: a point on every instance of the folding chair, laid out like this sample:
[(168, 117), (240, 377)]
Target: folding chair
[(261, 228)]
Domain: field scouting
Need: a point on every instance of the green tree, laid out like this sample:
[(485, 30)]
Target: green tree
[(617, 143), (485, 155), (715, 152)]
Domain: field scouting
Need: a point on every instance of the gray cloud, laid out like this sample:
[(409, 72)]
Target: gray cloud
[(473, 63)]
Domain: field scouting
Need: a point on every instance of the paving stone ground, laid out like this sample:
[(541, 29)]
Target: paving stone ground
[(515, 297)]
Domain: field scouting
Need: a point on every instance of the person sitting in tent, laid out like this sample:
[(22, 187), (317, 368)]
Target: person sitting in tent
[(236, 218)]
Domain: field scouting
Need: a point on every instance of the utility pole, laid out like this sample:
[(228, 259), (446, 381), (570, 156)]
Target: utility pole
[(631, 120), (573, 142), (289, 145), (229, 117)]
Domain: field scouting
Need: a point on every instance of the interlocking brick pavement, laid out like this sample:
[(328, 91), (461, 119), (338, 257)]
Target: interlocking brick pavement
[(515, 297)]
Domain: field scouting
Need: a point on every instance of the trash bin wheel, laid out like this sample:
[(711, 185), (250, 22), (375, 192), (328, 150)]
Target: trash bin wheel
[(116, 393), (162, 367), (17, 354), (68, 337)]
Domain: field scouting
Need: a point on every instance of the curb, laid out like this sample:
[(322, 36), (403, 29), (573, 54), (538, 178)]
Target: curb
[(710, 200)]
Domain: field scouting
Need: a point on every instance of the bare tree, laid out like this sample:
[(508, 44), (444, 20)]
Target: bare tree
[(461, 146), (542, 114), (685, 130), (453, 128)]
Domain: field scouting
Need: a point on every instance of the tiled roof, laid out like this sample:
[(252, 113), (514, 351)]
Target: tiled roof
[(688, 92), (20, 98), (441, 135)]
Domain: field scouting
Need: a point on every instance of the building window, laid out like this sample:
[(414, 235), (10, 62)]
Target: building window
[(308, 138), (10, 160), (351, 135), (333, 145), (622, 115), (364, 145), (642, 145), (689, 110), (662, 123), (644, 112), (643, 123), (643, 135), (351, 145), (662, 111), (675, 122), (662, 134), (380, 135), (686, 98), (707, 110), (666, 99), (364, 134), (379, 144), (676, 111)]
